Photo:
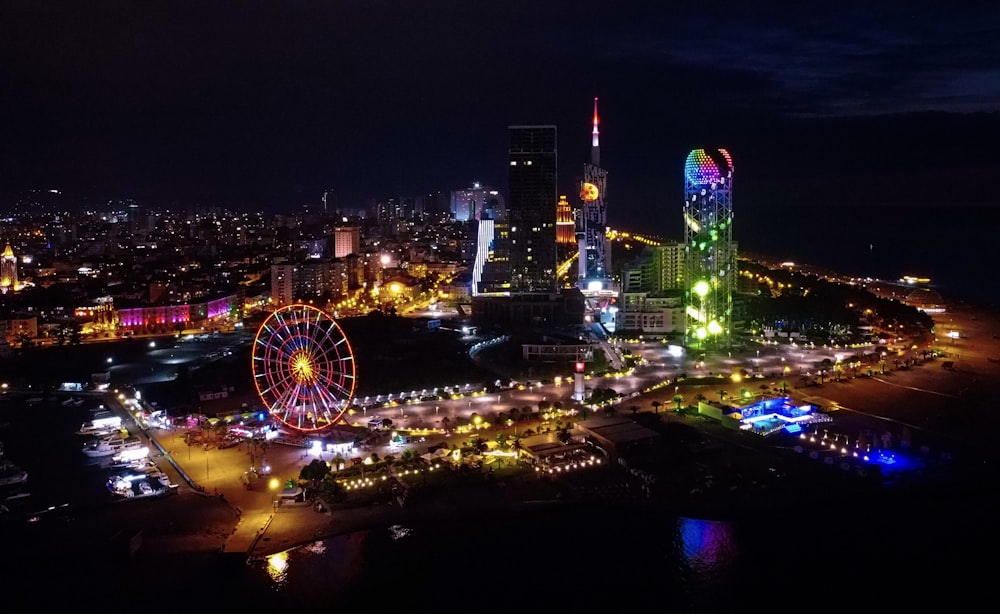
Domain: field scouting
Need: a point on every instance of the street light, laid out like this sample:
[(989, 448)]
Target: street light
[(273, 485)]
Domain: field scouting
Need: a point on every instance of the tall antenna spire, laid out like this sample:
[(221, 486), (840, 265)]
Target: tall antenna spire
[(595, 146)]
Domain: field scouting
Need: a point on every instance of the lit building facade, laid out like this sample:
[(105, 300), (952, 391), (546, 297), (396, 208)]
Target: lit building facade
[(484, 245), (8, 271), (167, 317), (709, 253), (531, 217), (346, 241), (565, 226), (595, 257), (658, 268)]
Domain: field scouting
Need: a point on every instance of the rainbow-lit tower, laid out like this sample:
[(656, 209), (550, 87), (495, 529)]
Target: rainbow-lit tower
[(709, 254), (594, 254)]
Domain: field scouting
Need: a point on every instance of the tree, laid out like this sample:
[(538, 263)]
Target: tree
[(315, 471), (722, 396), (634, 409), (656, 407), (516, 446), (331, 490), (678, 399), (478, 445), (563, 435)]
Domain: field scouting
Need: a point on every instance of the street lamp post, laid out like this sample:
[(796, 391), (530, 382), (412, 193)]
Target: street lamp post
[(273, 485)]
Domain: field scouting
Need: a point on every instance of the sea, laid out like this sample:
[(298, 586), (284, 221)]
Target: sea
[(953, 246)]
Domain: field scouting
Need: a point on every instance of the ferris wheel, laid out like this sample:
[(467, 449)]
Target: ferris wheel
[(303, 367)]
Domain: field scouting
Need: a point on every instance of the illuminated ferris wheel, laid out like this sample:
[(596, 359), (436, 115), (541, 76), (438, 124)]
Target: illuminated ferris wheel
[(303, 367)]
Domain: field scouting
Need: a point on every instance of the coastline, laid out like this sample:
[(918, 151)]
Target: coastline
[(198, 524)]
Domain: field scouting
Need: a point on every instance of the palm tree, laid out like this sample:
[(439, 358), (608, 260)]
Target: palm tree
[(445, 422), (634, 408), (656, 407), (563, 435), (516, 446), (700, 397), (478, 445), (722, 395), (678, 399)]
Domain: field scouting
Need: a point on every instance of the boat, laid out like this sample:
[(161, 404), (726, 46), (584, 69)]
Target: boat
[(135, 485), (11, 473), (130, 457), (109, 446), (101, 426)]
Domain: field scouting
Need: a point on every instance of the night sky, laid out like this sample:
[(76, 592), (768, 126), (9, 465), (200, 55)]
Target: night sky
[(267, 104)]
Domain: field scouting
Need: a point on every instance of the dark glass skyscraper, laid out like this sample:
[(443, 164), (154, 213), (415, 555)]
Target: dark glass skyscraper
[(531, 208)]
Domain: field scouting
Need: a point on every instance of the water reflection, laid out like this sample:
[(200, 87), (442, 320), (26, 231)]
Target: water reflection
[(277, 568), (708, 547)]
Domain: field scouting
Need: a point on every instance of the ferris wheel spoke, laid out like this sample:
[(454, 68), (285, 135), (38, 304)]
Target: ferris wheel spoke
[(344, 392), (319, 396)]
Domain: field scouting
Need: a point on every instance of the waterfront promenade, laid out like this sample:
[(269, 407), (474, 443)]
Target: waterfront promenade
[(950, 409)]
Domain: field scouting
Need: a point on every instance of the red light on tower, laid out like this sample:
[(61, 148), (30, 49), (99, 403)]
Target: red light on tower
[(579, 367)]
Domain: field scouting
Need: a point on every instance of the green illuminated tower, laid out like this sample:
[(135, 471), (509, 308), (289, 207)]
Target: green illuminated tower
[(709, 254)]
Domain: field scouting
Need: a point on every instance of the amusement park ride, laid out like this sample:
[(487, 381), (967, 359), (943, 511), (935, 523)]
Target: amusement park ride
[(303, 368)]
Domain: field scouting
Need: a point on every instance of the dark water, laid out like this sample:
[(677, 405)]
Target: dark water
[(953, 246), (853, 553), (588, 557)]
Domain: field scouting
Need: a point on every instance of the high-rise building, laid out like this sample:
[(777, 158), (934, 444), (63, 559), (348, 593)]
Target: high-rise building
[(596, 259), (657, 269), (709, 253), (565, 225), (475, 203), (346, 240), (484, 245), (8, 270), (531, 217)]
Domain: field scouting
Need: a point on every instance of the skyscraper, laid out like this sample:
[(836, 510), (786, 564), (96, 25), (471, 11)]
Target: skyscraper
[(593, 194), (709, 253), (531, 216)]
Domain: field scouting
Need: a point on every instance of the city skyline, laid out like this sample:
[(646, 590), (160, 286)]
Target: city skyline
[(270, 109)]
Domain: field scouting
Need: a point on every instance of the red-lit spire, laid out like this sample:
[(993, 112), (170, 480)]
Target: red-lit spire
[(595, 145), (597, 121)]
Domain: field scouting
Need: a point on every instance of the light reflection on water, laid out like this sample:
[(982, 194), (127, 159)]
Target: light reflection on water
[(708, 547), (277, 568), (626, 556)]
